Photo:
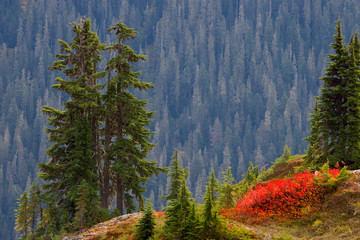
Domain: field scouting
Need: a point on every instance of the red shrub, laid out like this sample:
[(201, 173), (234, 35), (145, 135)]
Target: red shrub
[(286, 198)]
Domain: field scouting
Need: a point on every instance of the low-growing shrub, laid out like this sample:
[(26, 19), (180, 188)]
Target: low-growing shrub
[(282, 199)]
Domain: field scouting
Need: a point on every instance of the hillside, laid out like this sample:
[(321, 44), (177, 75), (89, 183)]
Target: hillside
[(336, 218), (234, 81), (123, 227)]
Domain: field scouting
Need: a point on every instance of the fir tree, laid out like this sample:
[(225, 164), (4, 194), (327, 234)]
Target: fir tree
[(87, 207), (227, 189), (177, 213), (335, 122), (23, 220), (286, 154), (74, 153), (351, 150), (252, 173), (192, 226), (209, 217), (128, 122), (145, 227), (332, 96), (213, 185), (51, 221), (176, 174), (313, 153), (35, 205)]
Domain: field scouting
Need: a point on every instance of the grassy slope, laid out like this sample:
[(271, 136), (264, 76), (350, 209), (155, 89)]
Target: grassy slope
[(338, 218)]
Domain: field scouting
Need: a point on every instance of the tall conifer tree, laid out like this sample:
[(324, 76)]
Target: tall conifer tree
[(127, 121), (351, 120), (335, 123), (74, 131), (331, 99)]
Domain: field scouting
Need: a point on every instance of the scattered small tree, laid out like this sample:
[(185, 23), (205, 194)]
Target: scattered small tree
[(23, 220), (192, 226), (213, 185), (209, 220), (177, 213), (35, 205), (227, 189), (286, 154), (251, 175), (176, 174), (146, 225)]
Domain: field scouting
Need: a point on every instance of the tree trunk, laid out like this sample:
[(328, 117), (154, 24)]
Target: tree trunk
[(119, 180), (120, 194), (106, 170)]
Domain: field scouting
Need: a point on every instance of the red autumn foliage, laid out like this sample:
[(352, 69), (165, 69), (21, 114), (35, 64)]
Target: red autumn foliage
[(280, 199), (159, 213)]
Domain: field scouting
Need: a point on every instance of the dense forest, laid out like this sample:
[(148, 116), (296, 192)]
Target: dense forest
[(234, 81)]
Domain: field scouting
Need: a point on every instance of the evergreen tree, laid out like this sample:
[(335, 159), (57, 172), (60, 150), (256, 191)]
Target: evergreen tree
[(145, 227), (178, 208), (74, 153), (35, 205), (51, 221), (331, 99), (227, 189), (213, 185), (87, 207), (351, 151), (251, 175), (23, 220), (313, 153), (335, 122), (192, 226), (128, 122), (209, 217), (177, 213), (286, 154), (176, 174)]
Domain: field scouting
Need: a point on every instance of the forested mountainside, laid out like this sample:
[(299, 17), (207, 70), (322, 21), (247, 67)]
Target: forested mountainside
[(234, 80)]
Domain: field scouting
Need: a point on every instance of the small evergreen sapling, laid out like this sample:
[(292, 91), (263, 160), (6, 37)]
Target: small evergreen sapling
[(209, 217), (22, 214), (176, 174), (227, 189), (146, 225), (35, 208), (177, 212), (213, 184), (192, 227), (286, 154)]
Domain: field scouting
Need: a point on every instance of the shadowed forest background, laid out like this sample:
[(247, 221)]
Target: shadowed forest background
[(234, 80)]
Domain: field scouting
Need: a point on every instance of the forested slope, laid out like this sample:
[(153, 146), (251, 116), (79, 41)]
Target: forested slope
[(234, 80)]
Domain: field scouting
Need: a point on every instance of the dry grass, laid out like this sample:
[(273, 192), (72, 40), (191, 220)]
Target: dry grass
[(122, 227)]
